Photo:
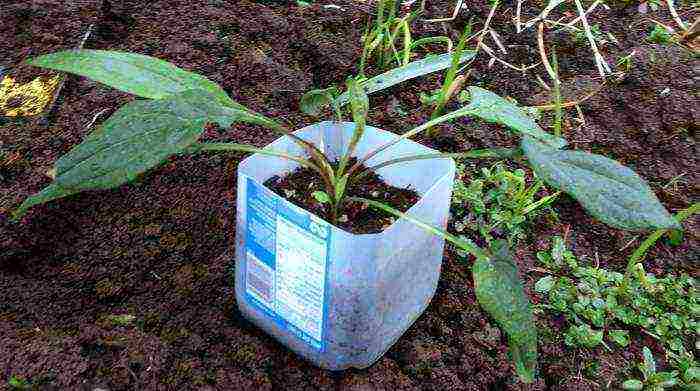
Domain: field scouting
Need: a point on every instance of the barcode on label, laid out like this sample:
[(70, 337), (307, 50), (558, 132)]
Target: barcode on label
[(260, 279)]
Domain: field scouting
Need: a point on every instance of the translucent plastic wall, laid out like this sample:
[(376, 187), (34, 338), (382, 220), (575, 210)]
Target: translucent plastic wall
[(338, 299)]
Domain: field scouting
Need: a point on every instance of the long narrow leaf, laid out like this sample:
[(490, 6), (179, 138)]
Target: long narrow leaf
[(496, 153), (639, 253), (412, 70), (461, 243), (452, 115), (138, 137), (609, 191), (451, 73), (500, 293), (233, 147), (137, 74), (359, 106), (428, 40)]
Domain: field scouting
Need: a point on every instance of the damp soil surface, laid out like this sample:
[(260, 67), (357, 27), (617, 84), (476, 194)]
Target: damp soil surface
[(132, 288), (300, 185)]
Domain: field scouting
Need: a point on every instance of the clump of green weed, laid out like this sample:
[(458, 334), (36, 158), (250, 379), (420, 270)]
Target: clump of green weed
[(660, 35), (654, 380), (497, 202), (600, 307)]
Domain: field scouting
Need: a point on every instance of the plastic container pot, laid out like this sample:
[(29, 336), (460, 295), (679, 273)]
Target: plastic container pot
[(338, 299)]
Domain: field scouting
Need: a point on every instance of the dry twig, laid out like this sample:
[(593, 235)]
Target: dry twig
[(458, 7), (603, 67), (675, 16), (543, 54), (543, 15), (574, 102)]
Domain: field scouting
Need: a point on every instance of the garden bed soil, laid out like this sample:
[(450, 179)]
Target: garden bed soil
[(355, 217), (132, 288)]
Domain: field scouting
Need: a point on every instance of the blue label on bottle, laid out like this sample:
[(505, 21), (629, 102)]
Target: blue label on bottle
[(286, 263)]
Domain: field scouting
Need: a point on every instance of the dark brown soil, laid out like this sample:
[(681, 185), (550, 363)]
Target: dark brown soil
[(299, 185), (160, 249)]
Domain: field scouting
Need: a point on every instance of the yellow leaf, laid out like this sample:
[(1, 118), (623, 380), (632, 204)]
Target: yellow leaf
[(26, 99)]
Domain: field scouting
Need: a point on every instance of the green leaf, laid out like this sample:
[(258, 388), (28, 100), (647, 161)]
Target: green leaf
[(620, 337), (18, 383), (501, 294), (359, 102), (691, 374), (558, 249), (675, 237), (314, 101), (321, 196), (137, 74), (340, 187), (544, 284), (121, 320), (583, 335), (409, 71), (665, 379), (139, 136), (608, 190), (492, 108), (633, 385), (648, 366)]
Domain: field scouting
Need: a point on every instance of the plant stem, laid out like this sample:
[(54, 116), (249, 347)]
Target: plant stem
[(455, 114), (638, 254), (557, 96), (447, 90), (233, 147), (495, 153), (471, 248)]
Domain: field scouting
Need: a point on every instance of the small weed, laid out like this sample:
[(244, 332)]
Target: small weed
[(659, 35), (17, 383), (581, 38), (121, 320), (651, 379), (497, 203), (599, 306), (625, 63)]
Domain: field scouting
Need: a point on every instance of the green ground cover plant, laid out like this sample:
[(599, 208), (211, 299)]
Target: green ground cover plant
[(660, 35), (602, 310), (143, 133), (658, 381), (497, 202)]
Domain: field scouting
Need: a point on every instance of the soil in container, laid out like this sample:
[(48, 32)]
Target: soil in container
[(299, 185)]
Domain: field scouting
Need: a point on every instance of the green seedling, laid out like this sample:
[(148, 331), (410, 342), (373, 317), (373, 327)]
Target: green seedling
[(144, 133), (497, 200), (660, 35), (17, 383), (583, 335), (382, 38), (581, 38), (674, 234), (556, 90), (625, 62), (452, 83)]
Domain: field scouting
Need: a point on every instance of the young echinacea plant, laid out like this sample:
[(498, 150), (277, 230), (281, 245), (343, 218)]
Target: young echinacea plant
[(144, 133)]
